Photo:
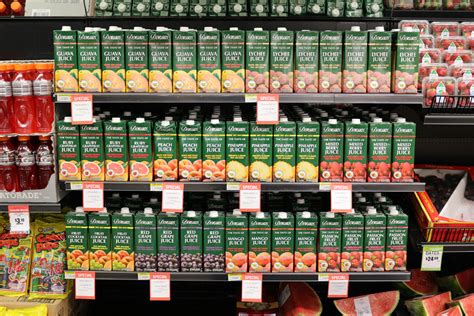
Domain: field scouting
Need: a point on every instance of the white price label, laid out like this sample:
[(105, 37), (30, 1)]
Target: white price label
[(85, 285), (341, 197), (172, 197), (268, 109), (431, 258), (252, 287), (232, 277), (69, 275), (143, 276), (81, 109), (338, 286), (93, 196), (233, 186), (160, 286), (156, 187), (19, 218), (250, 197), (362, 306), (250, 98), (323, 277)]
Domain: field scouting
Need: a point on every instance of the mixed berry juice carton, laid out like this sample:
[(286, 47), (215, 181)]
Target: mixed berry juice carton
[(209, 60), (261, 152), (380, 151), (160, 75), (100, 243), (92, 151), (330, 235), (379, 64), (374, 240), (214, 241), (330, 62), (283, 242), (69, 150), (136, 60), (352, 242), (332, 145), (116, 150), (307, 150), (237, 151), (233, 60), (236, 241), (397, 239), (213, 150), (281, 60), (184, 61), (77, 240), (355, 151), (284, 151), (146, 243), (168, 242), (140, 150), (355, 61), (405, 74), (191, 238), (123, 255), (190, 150), (257, 61), (260, 242), (65, 60), (88, 60), (306, 61), (306, 236), (403, 153), (113, 60), (165, 140)]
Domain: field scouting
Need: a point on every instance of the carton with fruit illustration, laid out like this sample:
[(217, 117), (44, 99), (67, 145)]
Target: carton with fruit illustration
[(165, 139), (397, 238), (113, 60), (257, 61), (355, 61), (184, 61), (281, 60), (233, 60), (198, 7), (380, 151), (100, 242), (77, 237), (306, 61), (213, 150), (306, 233), (123, 255), (136, 60), (92, 151), (116, 150), (68, 149), (140, 150), (374, 240), (168, 242), (237, 152), (352, 242), (160, 75), (330, 62), (88, 55), (160, 8), (214, 241), (307, 150), (191, 241), (260, 242), (283, 241), (209, 60), (236, 241), (65, 60), (146, 244), (405, 74), (316, 7), (355, 151), (261, 152), (403, 154), (284, 151), (122, 8), (297, 7), (190, 151), (330, 236), (332, 144)]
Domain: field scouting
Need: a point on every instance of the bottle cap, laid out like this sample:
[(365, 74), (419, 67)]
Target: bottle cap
[(306, 119), (148, 210)]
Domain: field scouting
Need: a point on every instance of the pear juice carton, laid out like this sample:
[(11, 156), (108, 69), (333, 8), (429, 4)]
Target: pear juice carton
[(355, 151), (374, 240), (123, 256), (116, 150), (403, 153), (237, 151), (213, 150), (88, 54), (330, 237), (168, 242), (77, 240), (92, 151), (260, 242), (209, 61), (69, 150), (100, 243), (379, 62), (284, 152), (397, 238), (283, 242), (257, 61), (214, 241), (190, 150), (233, 60), (261, 152), (352, 242), (306, 233), (380, 151), (281, 60), (140, 150), (165, 140), (184, 61), (236, 242), (307, 150), (355, 61), (405, 62), (160, 61), (330, 62), (136, 60), (306, 61), (113, 60), (145, 241), (332, 145), (65, 60)]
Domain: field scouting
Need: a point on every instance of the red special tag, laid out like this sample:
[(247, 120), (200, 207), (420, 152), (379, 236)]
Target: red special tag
[(250, 197), (172, 197), (81, 109), (85, 285), (338, 285), (252, 287), (268, 109), (341, 197), (160, 286), (93, 196)]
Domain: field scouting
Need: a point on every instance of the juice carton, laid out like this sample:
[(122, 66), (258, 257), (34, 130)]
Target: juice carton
[(236, 242), (374, 240), (352, 242), (159, 57), (405, 76), (168, 242), (179, 8), (160, 7), (306, 231), (100, 241), (113, 60), (191, 242), (123, 256), (306, 61), (397, 237), (330, 62), (140, 149), (279, 8), (261, 152), (77, 236), (88, 55), (141, 7), (316, 7), (213, 150), (403, 154), (237, 8), (65, 60), (298, 7), (190, 152), (330, 236), (237, 153), (355, 151), (209, 61), (379, 62), (145, 241), (198, 7), (260, 242), (104, 7), (217, 8), (307, 150), (284, 153), (335, 8), (136, 60), (116, 150), (184, 61), (259, 8), (332, 144), (283, 242), (281, 60), (69, 151), (165, 139), (380, 151), (233, 60), (214, 241), (92, 151), (257, 61), (355, 61), (122, 8)]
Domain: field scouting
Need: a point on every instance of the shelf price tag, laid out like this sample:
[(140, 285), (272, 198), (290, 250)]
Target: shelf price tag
[(323, 277), (93, 196), (19, 218), (143, 276), (341, 197), (249, 197), (81, 109), (431, 258), (250, 98), (156, 187), (69, 275), (160, 286), (172, 197), (268, 108), (234, 277), (85, 285), (252, 287), (338, 285), (362, 306)]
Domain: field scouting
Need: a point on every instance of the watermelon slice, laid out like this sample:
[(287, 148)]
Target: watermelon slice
[(381, 304), (428, 305), (421, 283), (453, 311), (466, 303), (299, 299), (459, 284)]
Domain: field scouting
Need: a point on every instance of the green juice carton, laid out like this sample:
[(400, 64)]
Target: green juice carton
[(92, 151), (354, 8), (190, 150), (100, 241), (160, 61), (316, 7), (88, 55), (330, 238), (283, 242), (355, 61), (298, 7), (122, 8), (116, 150), (260, 242), (136, 60), (209, 60), (307, 150), (261, 152), (355, 151), (113, 60), (403, 154), (184, 61), (306, 61), (77, 240), (306, 236), (281, 60), (236, 242), (237, 8), (330, 62), (379, 63), (332, 145), (198, 7), (405, 61), (123, 241), (69, 150), (397, 239), (104, 7), (160, 8), (237, 151), (279, 8), (179, 8), (146, 244), (352, 242), (233, 60), (214, 241), (165, 140), (380, 151), (213, 150), (140, 150), (374, 240), (257, 61), (335, 8), (191, 237), (259, 8), (217, 8), (284, 153), (65, 60), (168, 242), (141, 7)]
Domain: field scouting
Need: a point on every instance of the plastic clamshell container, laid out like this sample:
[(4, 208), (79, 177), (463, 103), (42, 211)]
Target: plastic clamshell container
[(450, 43), (465, 87), (461, 71), (459, 57), (445, 28), (422, 25), (431, 70), (429, 56), (438, 87), (427, 41), (467, 29)]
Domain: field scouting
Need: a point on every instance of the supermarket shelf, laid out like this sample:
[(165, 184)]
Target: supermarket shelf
[(432, 14), (449, 119), (449, 247), (35, 207)]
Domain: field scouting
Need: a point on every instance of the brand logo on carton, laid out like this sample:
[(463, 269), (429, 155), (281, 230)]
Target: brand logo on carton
[(355, 37), (377, 129), (305, 37), (208, 37), (213, 222), (186, 128), (136, 37), (380, 37), (352, 222), (87, 37), (279, 128), (236, 129), (256, 37), (325, 222), (403, 130), (121, 221), (210, 128), (303, 223), (64, 37), (394, 221), (375, 222), (228, 36), (98, 221), (159, 37), (407, 37), (144, 222), (75, 221), (137, 128), (282, 223), (233, 223), (260, 129), (116, 128), (167, 222), (281, 37), (186, 221), (183, 37), (110, 37), (66, 128), (328, 37), (353, 129), (329, 129), (306, 129)]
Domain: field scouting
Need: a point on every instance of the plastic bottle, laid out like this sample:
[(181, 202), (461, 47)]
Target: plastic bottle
[(42, 89), (6, 101), (44, 161), (8, 172), (25, 164), (24, 104)]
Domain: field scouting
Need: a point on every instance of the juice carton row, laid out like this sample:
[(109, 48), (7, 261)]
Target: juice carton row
[(236, 61), (431, 4)]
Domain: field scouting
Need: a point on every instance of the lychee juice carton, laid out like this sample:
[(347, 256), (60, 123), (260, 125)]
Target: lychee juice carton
[(374, 240), (184, 61), (190, 150), (283, 241), (329, 249), (236, 242), (307, 150), (330, 62), (405, 62), (213, 150), (352, 242), (92, 151), (116, 150), (355, 151), (233, 60), (306, 61), (284, 151), (260, 242), (257, 61), (113, 60), (165, 140), (355, 61), (306, 236), (332, 145), (140, 150), (379, 64), (403, 153), (136, 60), (397, 238), (380, 151), (160, 75), (261, 152), (281, 60), (209, 60)]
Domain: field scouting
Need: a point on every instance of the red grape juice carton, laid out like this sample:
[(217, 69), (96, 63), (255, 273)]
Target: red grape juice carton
[(330, 235), (397, 238), (355, 61), (191, 241), (374, 240), (355, 151), (116, 150), (140, 150), (283, 241), (403, 154), (306, 61), (405, 62), (379, 62), (214, 241), (236, 241), (332, 145), (167, 235), (380, 151), (352, 242), (257, 61), (306, 236), (330, 62), (260, 242), (281, 60)]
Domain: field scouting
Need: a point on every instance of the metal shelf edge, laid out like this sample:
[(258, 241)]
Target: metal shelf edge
[(448, 119), (35, 207), (450, 247)]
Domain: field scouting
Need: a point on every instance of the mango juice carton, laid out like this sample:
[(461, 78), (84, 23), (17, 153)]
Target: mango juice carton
[(214, 241), (236, 242), (355, 151), (140, 150), (136, 60), (316, 7), (213, 150), (261, 152), (355, 61), (168, 242), (260, 242), (122, 8), (380, 151), (160, 8), (283, 241), (104, 7), (330, 62), (237, 151), (100, 241), (330, 238), (123, 255), (307, 150), (88, 60), (77, 240), (298, 7), (198, 7), (69, 150), (165, 140), (306, 61), (191, 253), (92, 151), (379, 64), (116, 150), (184, 61), (279, 8), (233, 60), (306, 236), (332, 145), (209, 60), (141, 7), (403, 153), (113, 60), (65, 60), (146, 243), (237, 8), (281, 60), (405, 62), (257, 61), (352, 242), (160, 73), (284, 152), (217, 8), (179, 7), (259, 8), (190, 151), (374, 240)]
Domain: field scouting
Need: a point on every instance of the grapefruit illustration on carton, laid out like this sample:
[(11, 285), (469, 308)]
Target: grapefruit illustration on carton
[(91, 168), (67, 168), (429, 304), (381, 304)]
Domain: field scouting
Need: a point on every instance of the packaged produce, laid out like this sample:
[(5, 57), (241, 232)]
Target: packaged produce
[(335, 8), (261, 152), (397, 240), (444, 29), (330, 62), (146, 243), (160, 73), (77, 240), (405, 76), (379, 61), (451, 43), (209, 61), (403, 153), (283, 224), (260, 242), (429, 55), (259, 8), (355, 61), (281, 60), (233, 60), (383, 303), (190, 150), (306, 233), (184, 61), (332, 144), (427, 41), (100, 241), (465, 87), (431, 70), (116, 150), (257, 61), (214, 241), (165, 161), (213, 150), (423, 26), (140, 150), (457, 58), (306, 61), (354, 8), (284, 151), (136, 60), (92, 151), (307, 150), (470, 43), (113, 59), (329, 249), (237, 150), (429, 4), (65, 60), (457, 4), (236, 236), (374, 240), (467, 28), (461, 71), (88, 52), (355, 151), (123, 252), (352, 242)]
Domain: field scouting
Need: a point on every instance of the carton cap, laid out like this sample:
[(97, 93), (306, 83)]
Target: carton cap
[(281, 28), (146, 114), (107, 113), (165, 123), (97, 29), (382, 199), (379, 29), (168, 118), (358, 195), (115, 194), (66, 28), (393, 210), (208, 29), (88, 29), (153, 200), (135, 196), (300, 201), (138, 28), (355, 121), (236, 212), (371, 210), (306, 214), (124, 210), (161, 28), (148, 210), (214, 121), (401, 120), (233, 28), (306, 119), (362, 200), (213, 213), (297, 194), (258, 29), (95, 119), (332, 121), (184, 28), (79, 209), (330, 215), (377, 120), (189, 122), (115, 119), (282, 215), (260, 215), (283, 119), (237, 119), (68, 119), (140, 120), (355, 28)]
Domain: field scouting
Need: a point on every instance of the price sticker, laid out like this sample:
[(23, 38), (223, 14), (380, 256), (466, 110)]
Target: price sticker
[(85, 285), (323, 277), (268, 108), (93, 196), (362, 306), (81, 109), (172, 198), (19, 218), (69, 275), (250, 98), (252, 287), (143, 276), (160, 286), (156, 187), (249, 197), (341, 197), (232, 186), (338, 285), (431, 258), (232, 277)]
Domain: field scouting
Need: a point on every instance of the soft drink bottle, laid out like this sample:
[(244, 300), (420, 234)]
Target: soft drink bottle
[(44, 161), (8, 174), (26, 164), (6, 101), (24, 104), (42, 89)]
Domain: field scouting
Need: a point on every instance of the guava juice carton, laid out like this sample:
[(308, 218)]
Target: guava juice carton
[(332, 144), (237, 151), (257, 61), (405, 61), (165, 140), (306, 236), (123, 255), (213, 150), (217, 8), (77, 237), (355, 151), (168, 242), (233, 60), (283, 242), (116, 150), (184, 61), (279, 8), (236, 242), (397, 238), (191, 241), (160, 8), (100, 241), (136, 60), (330, 62), (306, 61), (261, 152), (374, 240), (92, 151), (403, 153), (160, 73), (65, 60), (88, 55), (69, 150), (113, 60), (281, 60), (179, 7), (380, 151), (237, 7), (122, 8), (284, 152), (140, 150), (209, 60), (355, 61), (145, 241), (190, 150), (379, 64), (259, 8), (307, 150), (330, 236), (352, 242), (214, 241), (260, 242)]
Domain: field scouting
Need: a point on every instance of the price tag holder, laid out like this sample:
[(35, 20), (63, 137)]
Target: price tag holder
[(338, 285), (431, 258), (362, 306), (93, 196), (143, 276), (341, 197), (250, 98), (268, 109), (160, 286), (232, 186), (323, 277), (232, 277), (85, 285), (76, 185), (69, 275), (172, 197), (249, 197), (19, 218), (252, 287), (156, 187), (81, 109)]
